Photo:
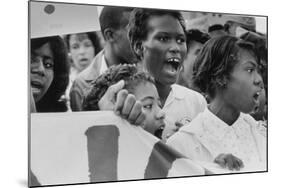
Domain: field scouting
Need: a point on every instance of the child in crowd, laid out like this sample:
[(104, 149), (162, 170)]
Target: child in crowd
[(227, 70), (140, 84)]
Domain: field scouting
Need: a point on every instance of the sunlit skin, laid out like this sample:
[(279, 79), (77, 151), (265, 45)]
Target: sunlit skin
[(185, 76), (154, 116), (165, 40), (42, 71), (82, 50), (242, 91)]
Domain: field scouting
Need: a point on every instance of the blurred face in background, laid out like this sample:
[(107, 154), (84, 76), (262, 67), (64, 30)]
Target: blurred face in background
[(187, 69), (82, 50)]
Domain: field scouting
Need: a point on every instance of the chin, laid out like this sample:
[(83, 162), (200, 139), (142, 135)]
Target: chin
[(248, 110)]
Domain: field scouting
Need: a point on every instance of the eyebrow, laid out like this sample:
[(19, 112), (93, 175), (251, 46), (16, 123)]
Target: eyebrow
[(147, 97), (252, 63), (44, 56), (47, 57), (169, 33)]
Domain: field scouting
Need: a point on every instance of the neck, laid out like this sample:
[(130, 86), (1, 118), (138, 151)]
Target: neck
[(181, 81), (163, 91), (110, 57), (223, 111)]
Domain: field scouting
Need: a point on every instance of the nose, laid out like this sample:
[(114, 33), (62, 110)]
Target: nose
[(258, 80), (37, 66), (81, 50), (160, 115), (175, 47)]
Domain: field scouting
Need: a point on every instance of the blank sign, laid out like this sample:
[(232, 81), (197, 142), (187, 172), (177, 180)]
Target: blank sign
[(47, 19)]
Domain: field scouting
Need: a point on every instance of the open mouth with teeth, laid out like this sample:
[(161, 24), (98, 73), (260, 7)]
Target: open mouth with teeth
[(173, 64), (159, 131), (36, 86), (256, 96)]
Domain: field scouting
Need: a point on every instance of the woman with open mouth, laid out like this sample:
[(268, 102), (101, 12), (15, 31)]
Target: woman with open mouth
[(158, 40), (49, 70), (227, 70)]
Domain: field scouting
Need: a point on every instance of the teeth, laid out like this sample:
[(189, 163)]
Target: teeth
[(174, 60), (258, 94)]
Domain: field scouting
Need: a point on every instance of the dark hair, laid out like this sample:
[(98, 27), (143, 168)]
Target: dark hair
[(50, 101), (197, 36), (93, 36), (129, 73), (138, 23), (216, 61), (112, 17)]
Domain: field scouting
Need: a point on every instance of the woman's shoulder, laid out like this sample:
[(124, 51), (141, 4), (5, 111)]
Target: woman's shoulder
[(256, 126)]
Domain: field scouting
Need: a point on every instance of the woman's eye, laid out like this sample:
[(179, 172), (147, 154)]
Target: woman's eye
[(163, 39), (149, 106), (180, 40), (75, 46), (250, 70), (34, 59), (88, 44), (48, 64)]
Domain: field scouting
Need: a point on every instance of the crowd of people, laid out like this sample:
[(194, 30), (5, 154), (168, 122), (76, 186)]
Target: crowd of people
[(204, 94)]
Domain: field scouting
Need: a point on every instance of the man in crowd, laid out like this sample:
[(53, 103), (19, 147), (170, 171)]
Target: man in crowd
[(117, 50)]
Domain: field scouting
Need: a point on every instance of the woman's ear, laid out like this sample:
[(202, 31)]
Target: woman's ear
[(222, 82), (138, 48)]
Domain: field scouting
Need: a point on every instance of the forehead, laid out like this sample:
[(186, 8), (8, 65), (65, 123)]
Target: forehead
[(44, 50), (246, 56), (78, 37), (164, 23), (145, 89)]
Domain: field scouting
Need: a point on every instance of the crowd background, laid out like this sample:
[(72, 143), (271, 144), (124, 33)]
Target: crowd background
[(200, 26)]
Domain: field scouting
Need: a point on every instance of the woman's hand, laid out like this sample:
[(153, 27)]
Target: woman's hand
[(229, 161)]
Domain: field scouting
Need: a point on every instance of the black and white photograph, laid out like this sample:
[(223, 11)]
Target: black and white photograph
[(122, 93)]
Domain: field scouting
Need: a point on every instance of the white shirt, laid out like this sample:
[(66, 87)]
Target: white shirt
[(182, 105), (207, 136)]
